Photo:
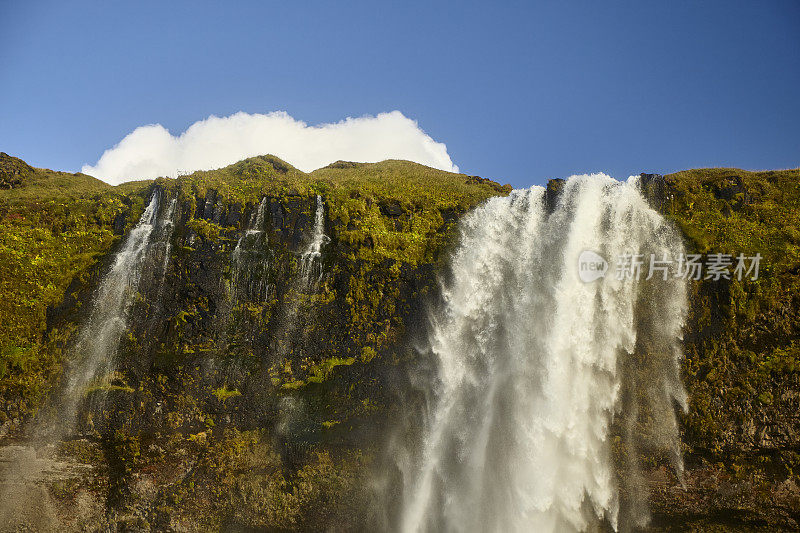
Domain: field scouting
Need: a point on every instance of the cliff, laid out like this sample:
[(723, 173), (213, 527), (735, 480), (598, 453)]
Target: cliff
[(741, 434), (243, 394), (254, 382)]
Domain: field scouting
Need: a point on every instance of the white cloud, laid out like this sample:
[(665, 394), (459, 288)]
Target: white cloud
[(151, 151)]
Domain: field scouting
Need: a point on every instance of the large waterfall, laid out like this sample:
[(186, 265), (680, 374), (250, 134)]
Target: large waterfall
[(537, 372)]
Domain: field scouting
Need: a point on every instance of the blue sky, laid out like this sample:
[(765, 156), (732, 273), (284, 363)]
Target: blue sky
[(519, 92)]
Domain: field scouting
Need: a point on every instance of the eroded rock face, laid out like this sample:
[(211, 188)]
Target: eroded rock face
[(551, 194), (240, 399), (46, 490), (655, 189), (741, 431)]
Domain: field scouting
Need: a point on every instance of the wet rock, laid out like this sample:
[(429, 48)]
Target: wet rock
[(234, 216), (302, 228), (219, 211), (119, 222), (209, 205), (277, 214), (552, 192), (654, 189)]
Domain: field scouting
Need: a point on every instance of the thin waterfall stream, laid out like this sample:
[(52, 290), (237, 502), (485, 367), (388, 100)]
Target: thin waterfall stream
[(542, 389), (91, 365), (310, 260), (249, 262), (306, 282), (100, 336)]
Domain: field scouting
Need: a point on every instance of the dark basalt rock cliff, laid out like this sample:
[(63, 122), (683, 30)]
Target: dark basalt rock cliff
[(246, 397), (741, 435), (246, 393)]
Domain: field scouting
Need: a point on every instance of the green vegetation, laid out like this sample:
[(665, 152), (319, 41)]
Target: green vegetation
[(223, 393), (232, 340), (22, 184), (385, 210), (238, 482), (224, 351), (386, 218), (743, 338), (55, 228), (205, 229), (393, 209)]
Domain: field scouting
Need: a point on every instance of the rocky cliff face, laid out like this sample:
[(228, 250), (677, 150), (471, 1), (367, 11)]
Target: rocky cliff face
[(740, 434), (260, 349), (258, 369)]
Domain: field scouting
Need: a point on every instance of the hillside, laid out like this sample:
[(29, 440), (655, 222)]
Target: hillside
[(228, 347), (268, 342)]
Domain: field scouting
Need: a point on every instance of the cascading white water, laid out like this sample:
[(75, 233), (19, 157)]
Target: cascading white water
[(24, 500), (534, 366), (254, 227), (167, 226), (248, 248), (310, 260), (100, 335), (163, 249), (22, 472), (306, 282)]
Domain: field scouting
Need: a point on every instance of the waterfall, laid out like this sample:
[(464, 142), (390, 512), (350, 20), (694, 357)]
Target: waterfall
[(255, 227), (536, 370), (167, 226), (162, 250), (100, 336), (248, 281), (311, 258), (299, 310)]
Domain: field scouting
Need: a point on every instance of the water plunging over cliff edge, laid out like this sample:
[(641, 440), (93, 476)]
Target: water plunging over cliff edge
[(95, 350), (310, 261), (250, 259), (546, 388), (91, 366)]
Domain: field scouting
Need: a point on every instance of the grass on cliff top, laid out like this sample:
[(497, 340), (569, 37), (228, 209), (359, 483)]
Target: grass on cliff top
[(405, 182), (401, 181), (725, 210), (387, 210), (245, 181), (410, 183), (732, 210), (53, 225), (56, 226), (20, 182)]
